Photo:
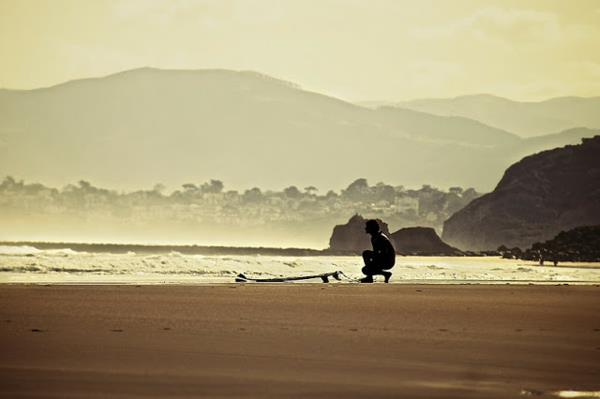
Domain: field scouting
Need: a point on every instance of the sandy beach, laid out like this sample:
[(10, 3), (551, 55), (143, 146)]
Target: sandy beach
[(304, 340)]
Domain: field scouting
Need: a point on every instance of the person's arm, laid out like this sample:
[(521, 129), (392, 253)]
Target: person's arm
[(379, 246), (385, 248)]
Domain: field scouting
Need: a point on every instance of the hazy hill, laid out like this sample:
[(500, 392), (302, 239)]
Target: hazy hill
[(523, 118), (538, 197), (451, 129), (144, 126)]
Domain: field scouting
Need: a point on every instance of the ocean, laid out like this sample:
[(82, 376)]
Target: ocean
[(25, 264)]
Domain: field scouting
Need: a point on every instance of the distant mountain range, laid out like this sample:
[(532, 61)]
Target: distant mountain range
[(526, 119), (140, 127)]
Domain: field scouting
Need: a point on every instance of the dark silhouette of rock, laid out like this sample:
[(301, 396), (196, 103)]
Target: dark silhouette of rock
[(351, 237), (581, 244), (538, 197), (421, 241)]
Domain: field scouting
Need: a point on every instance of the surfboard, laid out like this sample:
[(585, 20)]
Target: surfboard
[(241, 278)]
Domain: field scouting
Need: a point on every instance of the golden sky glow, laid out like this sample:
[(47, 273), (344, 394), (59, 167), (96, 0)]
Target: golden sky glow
[(353, 49)]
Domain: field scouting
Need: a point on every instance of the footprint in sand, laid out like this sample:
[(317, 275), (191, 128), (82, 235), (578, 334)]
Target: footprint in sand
[(36, 330), (116, 330), (353, 329), (166, 328)]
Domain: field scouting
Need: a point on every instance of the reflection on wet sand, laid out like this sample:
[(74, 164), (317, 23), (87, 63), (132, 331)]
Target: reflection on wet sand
[(577, 394)]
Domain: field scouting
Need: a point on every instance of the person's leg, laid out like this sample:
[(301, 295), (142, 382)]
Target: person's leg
[(373, 267), (387, 274), (368, 272), (368, 257), (371, 270)]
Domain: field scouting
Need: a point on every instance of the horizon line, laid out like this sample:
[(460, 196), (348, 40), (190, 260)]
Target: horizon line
[(296, 86)]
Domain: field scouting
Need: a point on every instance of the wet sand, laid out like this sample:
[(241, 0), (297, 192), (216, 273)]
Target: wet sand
[(304, 340)]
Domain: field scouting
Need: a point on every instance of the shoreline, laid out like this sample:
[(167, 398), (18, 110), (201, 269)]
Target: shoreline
[(299, 340), (430, 282)]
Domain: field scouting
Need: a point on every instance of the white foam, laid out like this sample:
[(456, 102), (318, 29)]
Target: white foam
[(20, 250), (27, 250), (30, 264)]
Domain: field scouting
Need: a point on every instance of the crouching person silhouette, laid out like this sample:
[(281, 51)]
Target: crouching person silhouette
[(381, 258)]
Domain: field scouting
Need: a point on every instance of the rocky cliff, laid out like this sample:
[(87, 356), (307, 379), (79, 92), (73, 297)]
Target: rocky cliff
[(537, 197), (421, 241)]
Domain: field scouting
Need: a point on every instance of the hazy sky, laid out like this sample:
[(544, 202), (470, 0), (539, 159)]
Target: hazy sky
[(353, 49)]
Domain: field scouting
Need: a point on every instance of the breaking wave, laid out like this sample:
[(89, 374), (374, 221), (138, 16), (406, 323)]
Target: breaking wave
[(28, 264), (25, 250)]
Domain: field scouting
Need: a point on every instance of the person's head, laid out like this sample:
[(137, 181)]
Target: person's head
[(372, 227)]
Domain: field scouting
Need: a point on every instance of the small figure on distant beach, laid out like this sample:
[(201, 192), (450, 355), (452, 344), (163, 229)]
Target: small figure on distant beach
[(381, 258)]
